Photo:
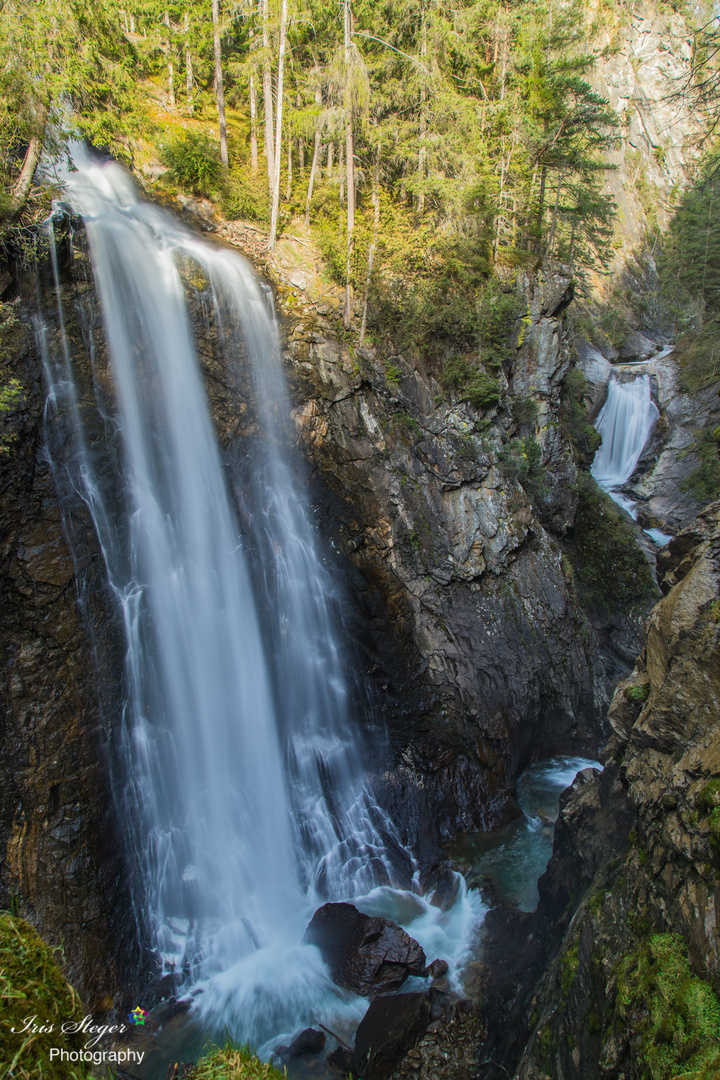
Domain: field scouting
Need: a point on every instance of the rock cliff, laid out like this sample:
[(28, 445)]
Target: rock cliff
[(627, 921)]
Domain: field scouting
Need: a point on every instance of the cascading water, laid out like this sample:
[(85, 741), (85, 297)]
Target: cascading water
[(626, 422), (244, 792)]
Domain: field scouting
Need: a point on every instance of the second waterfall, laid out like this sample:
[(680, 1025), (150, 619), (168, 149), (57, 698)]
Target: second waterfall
[(239, 775)]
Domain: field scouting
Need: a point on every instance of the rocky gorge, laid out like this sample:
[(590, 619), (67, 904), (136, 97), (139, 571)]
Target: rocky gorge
[(480, 637)]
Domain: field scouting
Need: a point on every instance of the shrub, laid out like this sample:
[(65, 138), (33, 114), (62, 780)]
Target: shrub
[(574, 418), (524, 410), (246, 196), (193, 161), (611, 569), (638, 693)]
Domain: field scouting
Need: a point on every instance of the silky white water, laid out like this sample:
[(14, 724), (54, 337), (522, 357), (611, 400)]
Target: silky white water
[(626, 422), (240, 780)]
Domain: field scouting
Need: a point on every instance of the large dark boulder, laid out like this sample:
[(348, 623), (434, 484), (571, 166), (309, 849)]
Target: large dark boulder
[(365, 953), (391, 1026)]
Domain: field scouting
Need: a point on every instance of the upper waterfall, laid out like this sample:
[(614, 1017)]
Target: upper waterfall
[(240, 777), (625, 423)]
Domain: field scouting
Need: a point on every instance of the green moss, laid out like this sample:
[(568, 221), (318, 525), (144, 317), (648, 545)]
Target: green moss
[(235, 1063), (570, 964), (593, 1022), (612, 571), (595, 902), (676, 1015), (709, 797), (32, 985)]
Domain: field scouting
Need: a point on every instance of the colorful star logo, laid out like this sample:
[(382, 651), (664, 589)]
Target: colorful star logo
[(138, 1016)]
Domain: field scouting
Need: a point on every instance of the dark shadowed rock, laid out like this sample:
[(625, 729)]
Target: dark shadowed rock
[(365, 953), (308, 1041), (437, 969), (391, 1026), (341, 1058)]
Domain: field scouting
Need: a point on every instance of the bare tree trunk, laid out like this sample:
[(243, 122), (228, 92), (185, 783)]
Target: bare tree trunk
[(331, 145), (219, 89), (341, 178), (288, 188), (350, 167), (278, 129), (170, 69), (188, 63), (551, 238), (22, 184), (423, 96), (315, 159), (267, 96), (253, 113), (373, 245)]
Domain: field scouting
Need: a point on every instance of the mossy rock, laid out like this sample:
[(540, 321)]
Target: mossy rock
[(680, 1014), (32, 985), (235, 1063), (611, 568), (709, 797)]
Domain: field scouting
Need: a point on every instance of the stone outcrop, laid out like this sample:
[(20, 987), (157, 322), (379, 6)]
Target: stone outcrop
[(477, 650), (60, 853), (364, 953), (632, 885)]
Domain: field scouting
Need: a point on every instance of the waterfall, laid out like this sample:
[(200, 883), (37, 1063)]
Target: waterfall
[(242, 781), (625, 422)]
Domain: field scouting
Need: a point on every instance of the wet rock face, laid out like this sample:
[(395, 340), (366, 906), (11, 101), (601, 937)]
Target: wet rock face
[(635, 854), (474, 645), (58, 846), (390, 1027), (365, 954)]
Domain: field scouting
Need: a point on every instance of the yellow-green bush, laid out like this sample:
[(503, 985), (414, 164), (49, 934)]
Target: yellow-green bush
[(235, 1063)]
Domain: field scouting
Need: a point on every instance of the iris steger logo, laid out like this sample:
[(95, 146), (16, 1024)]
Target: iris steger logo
[(138, 1016)]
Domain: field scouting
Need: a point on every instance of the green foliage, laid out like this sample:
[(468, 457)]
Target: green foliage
[(193, 161), (676, 1015), (393, 374), (574, 417), (465, 377), (57, 56), (245, 196), (12, 397), (32, 984), (524, 411), (611, 569), (638, 693), (703, 482), (235, 1063), (522, 458), (689, 270), (570, 964)]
